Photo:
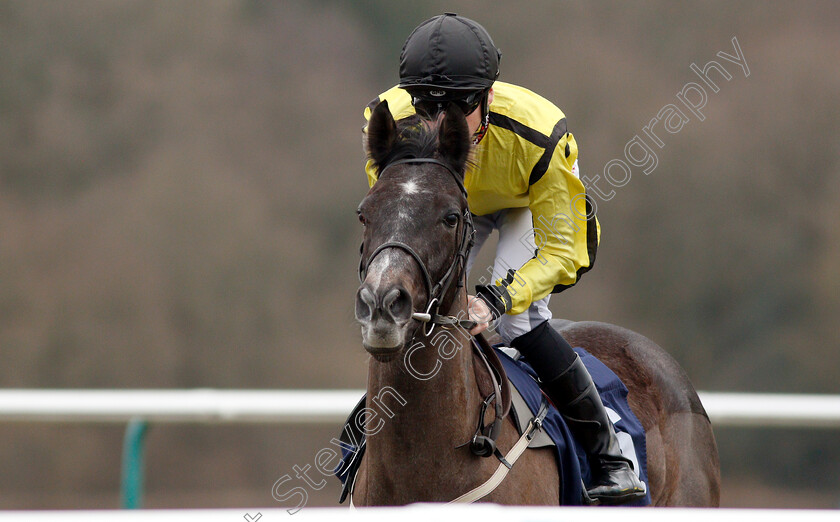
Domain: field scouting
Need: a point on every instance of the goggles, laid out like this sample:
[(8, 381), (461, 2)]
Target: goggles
[(429, 107)]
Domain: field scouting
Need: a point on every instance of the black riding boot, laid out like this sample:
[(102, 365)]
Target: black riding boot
[(567, 382)]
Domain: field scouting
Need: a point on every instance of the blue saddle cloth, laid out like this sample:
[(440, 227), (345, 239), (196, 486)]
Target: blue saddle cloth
[(572, 462)]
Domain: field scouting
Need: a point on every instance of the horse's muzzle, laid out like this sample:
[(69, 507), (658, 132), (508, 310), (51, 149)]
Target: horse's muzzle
[(384, 315)]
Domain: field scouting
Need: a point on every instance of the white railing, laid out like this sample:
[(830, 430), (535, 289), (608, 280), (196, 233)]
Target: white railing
[(137, 408), (425, 512), (333, 406), (186, 406), (779, 410)]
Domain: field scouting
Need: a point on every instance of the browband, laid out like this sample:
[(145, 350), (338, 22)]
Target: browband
[(447, 166)]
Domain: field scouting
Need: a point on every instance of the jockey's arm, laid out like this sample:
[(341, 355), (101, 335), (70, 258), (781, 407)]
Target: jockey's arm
[(566, 234)]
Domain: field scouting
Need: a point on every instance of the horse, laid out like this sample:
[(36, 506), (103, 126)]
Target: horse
[(425, 396)]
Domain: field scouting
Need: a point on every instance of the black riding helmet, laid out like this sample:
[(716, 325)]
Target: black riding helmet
[(449, 59)]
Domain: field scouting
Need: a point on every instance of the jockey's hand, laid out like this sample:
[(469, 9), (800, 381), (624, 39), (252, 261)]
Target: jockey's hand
[(480, 313)]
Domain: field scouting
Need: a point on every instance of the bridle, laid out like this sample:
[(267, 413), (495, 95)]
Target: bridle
[(483, 442), (436, 291)]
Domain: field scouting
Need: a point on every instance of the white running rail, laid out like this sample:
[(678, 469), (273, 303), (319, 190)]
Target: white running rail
[(333, 406)]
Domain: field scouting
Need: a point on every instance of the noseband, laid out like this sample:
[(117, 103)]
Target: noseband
[(434, 292)]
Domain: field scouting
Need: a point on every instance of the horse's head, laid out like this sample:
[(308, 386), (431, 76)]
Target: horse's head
[(416, 225)]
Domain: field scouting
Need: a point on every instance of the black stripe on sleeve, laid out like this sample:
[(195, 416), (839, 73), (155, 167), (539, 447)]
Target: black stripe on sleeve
[(542, 165), (591, 246), (534, 136)]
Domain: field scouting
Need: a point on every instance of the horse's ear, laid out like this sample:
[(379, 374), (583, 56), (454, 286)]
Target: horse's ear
[(381, 133), (454, 138)]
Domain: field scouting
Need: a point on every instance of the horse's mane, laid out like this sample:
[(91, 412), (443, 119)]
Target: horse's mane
[(416, 138)]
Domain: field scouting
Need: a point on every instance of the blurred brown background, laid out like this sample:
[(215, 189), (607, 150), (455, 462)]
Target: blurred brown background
[(178, 183)]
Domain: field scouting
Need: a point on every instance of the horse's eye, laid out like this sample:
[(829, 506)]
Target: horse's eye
[(361, 216), (451, 219)]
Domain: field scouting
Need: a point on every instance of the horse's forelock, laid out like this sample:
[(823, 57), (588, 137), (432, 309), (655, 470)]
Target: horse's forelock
[(416, 138)]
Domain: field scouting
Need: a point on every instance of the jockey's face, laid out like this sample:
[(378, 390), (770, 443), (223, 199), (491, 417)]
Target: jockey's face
[(474, 118), (430, 109)]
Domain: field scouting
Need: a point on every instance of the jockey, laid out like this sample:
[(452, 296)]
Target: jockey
[(523, 182)]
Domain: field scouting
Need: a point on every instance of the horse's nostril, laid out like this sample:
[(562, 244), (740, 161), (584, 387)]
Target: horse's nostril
[(398, 304), (393, 307), (365, 303), (390, 298)]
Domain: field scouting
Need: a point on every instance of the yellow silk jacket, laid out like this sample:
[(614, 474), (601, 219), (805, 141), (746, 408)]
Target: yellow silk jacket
[(527, 158)]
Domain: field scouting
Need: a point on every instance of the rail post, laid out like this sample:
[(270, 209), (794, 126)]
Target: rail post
[(131, 482)]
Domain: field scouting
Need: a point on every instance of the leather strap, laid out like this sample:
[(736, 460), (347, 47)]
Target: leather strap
[(512, 456), (363, 266), (444, 320), (492, 359), (457, 177)]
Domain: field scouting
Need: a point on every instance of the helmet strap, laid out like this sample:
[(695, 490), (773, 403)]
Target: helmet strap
[(485, 120)]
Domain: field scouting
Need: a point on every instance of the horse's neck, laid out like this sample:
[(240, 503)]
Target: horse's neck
[(426, 404)]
